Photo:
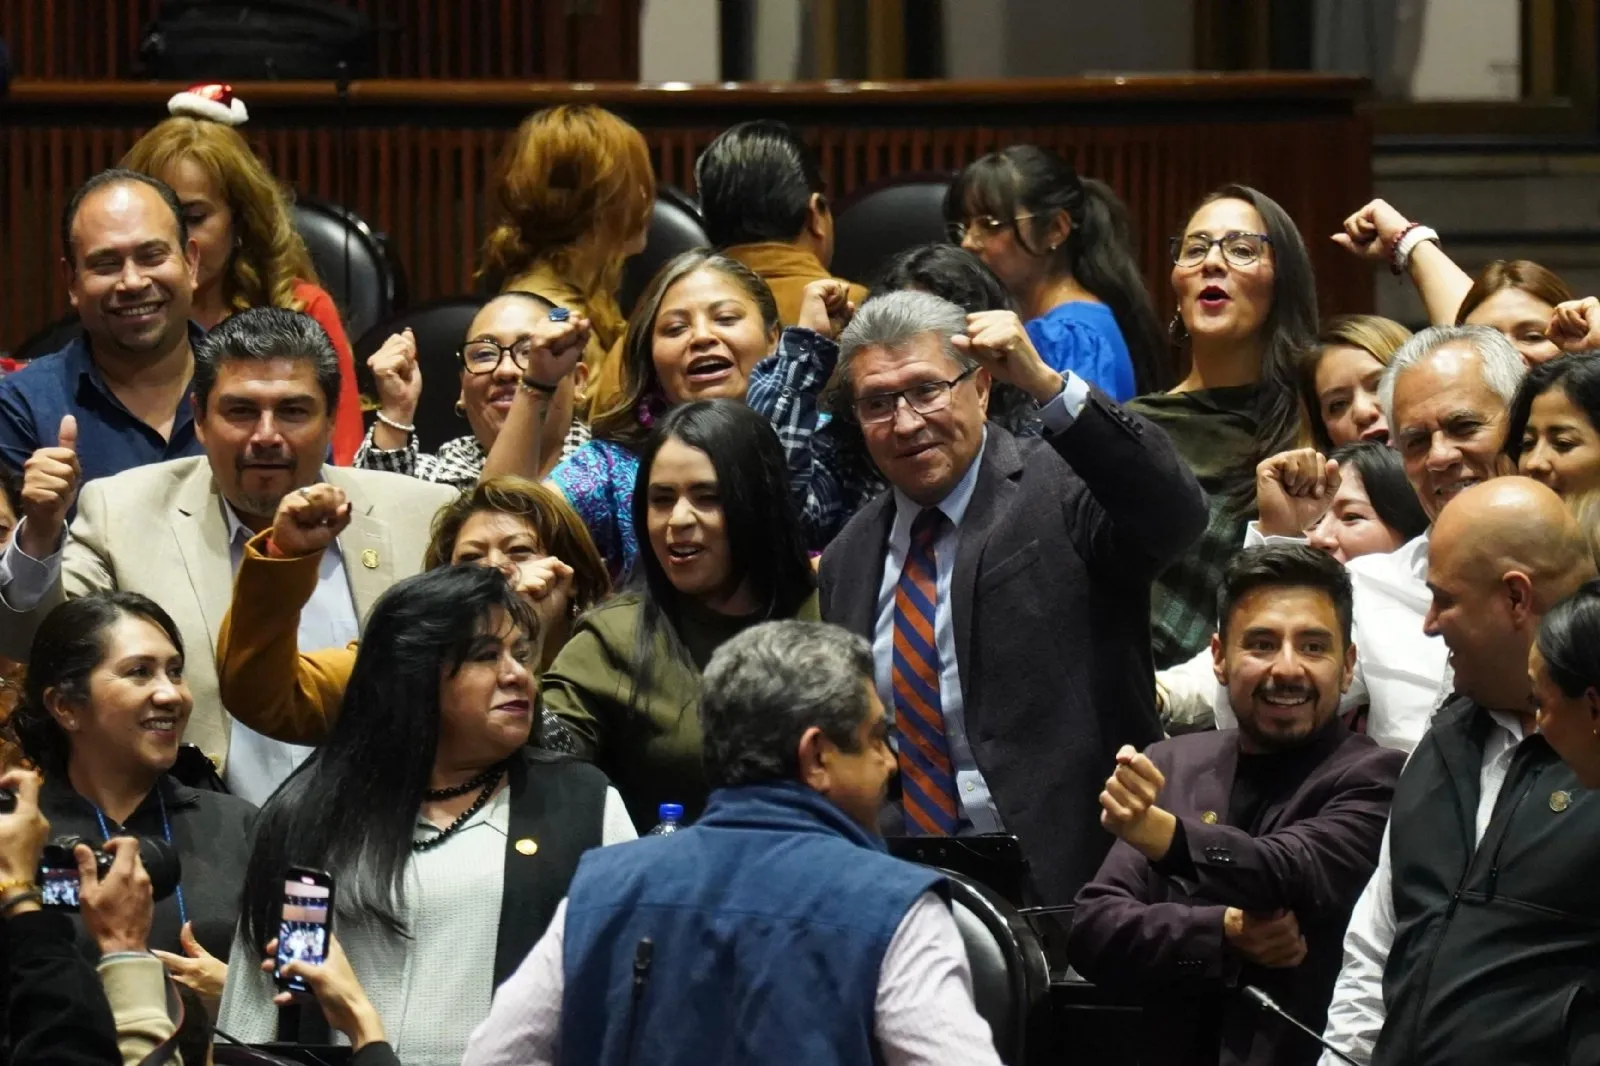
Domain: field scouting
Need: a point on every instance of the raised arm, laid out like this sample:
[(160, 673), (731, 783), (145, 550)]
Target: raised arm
[(1371, 234), (557, 349), (265, 681)]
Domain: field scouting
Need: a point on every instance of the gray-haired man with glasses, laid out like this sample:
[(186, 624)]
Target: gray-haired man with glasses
[(1004, 583)]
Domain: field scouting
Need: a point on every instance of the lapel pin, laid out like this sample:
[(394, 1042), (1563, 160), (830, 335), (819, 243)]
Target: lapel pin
[(1560, 800), (527, 846), (369, 558), (1209, 817)]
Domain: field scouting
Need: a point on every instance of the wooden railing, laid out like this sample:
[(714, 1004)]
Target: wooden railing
[(596, 40), (421, 154)]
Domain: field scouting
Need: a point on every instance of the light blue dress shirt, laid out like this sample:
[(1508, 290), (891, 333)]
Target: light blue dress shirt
[(977, 806), (257, 765)]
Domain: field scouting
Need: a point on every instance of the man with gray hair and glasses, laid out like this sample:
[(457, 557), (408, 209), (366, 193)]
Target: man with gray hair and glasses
[(1004, 583), (776, 929)]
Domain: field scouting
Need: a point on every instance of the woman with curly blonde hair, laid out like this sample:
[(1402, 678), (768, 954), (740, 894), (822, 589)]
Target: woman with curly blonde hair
[(576, 190), (250, 254)]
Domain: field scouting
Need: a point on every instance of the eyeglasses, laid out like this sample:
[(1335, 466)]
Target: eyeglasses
[(929, 398), (985, 225), (483, 357), (1239, 248)]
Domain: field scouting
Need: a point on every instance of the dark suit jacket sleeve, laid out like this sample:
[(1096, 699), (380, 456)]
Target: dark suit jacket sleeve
[(56, 1011), (19, 438), (375, 1054), (1120, 938), (1144, 507), (1315, 867)]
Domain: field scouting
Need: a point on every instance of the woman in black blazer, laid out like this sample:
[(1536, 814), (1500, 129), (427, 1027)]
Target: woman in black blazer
[(449, 841)]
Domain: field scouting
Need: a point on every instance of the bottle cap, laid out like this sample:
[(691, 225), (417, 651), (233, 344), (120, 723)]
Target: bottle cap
[(671, 812)]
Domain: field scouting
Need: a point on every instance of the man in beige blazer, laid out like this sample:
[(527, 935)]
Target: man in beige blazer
[(265, 386)]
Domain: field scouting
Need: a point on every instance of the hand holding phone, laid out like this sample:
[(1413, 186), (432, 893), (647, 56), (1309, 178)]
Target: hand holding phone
[(305, 924), (338, 991)]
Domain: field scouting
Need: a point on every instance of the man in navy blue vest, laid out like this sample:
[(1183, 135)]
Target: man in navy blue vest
[(776, 929)]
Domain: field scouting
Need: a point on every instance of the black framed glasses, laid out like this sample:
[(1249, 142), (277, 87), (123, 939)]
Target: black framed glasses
[(1238, 247), (985, 226), (483, 357), (929, 398)]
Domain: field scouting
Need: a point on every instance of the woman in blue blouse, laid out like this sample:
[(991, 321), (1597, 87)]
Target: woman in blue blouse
[(1061, 244)]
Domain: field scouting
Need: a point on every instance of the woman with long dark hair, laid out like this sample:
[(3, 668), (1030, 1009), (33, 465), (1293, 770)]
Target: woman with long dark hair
[(1246, 309), (1062, 246), (1553, 427), (102, 715), (1564, 669), (723, 553), (449, 840)]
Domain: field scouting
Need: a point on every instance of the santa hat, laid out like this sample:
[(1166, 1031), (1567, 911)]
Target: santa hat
[(214, 102)]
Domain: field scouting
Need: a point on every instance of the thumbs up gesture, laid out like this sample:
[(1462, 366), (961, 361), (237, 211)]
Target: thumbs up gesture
[(49, 486)]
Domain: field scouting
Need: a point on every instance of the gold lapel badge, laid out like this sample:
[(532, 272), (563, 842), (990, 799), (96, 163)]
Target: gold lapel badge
[(1560, 800), (369, 558), (527, 846), (1209, 817)]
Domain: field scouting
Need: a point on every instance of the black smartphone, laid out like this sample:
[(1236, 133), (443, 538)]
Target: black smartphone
[(305, 923)]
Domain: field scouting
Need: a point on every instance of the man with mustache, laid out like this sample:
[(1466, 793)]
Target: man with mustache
[(1241, 851), (1445, 395), (1475, 941), (130, 269), (266, 384)]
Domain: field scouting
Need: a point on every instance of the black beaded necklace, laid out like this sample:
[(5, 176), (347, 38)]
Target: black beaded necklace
[(489, 779)]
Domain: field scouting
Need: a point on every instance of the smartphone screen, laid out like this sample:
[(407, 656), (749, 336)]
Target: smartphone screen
[(305, 924), (58, 887)]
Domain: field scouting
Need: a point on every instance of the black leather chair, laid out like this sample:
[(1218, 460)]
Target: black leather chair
[(52, 338), (874, 226), (439, 329), (373, 287), (674, 228), (1010, 977)]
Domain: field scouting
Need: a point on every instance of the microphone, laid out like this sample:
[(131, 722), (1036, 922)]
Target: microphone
[(1267, 1003)]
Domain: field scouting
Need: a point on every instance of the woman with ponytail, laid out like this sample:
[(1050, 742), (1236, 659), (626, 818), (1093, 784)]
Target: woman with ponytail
[(238, 215), (1061, 244), (576, 191)]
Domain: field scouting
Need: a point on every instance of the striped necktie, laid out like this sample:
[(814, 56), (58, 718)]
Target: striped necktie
[(927, 780)]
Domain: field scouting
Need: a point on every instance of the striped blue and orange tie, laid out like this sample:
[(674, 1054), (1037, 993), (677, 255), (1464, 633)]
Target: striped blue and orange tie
[(927, 780)]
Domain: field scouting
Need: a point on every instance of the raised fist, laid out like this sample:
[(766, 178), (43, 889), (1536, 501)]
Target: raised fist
[(397, 376), (49, 487), (1293, 490), (556, 351), (309, 519), (825, 307), (1372, 231)]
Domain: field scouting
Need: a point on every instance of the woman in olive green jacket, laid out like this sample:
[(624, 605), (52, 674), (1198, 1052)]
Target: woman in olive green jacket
[(722, 553)]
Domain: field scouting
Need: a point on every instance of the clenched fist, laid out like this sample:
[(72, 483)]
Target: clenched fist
[(556, 348), (398, 377), (309, 519), (998, 340), (49, 487), (1294, 489), (1372, 231), (825, 307)]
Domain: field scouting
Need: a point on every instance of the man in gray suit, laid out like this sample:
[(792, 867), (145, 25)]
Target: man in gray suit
[(266, 384), (1004, 583)]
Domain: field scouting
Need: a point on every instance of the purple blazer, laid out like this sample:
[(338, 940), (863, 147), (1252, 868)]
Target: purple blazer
[(1161, 937)]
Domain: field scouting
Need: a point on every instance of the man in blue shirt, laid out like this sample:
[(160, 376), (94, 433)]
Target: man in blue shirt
[(130, 268)]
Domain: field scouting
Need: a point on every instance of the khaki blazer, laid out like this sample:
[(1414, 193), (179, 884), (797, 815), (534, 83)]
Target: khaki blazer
[(160, 530)]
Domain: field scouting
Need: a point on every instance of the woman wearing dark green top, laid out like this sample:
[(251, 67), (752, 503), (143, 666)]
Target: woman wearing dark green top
[(1247, 309), (722, 552)]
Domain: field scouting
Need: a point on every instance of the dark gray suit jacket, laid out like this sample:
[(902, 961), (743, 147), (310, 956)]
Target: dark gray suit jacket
[(1051, 604), (1162, 936)]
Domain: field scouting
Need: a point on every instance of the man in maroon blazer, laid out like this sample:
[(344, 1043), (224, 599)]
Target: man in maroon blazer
[(1241, 852)]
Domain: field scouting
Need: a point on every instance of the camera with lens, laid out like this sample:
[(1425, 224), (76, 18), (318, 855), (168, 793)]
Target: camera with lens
[(57, 877)]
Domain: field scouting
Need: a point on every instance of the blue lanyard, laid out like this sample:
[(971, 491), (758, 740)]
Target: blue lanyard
[(166, 831)]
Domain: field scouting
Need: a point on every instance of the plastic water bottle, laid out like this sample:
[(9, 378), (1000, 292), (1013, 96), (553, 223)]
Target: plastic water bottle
[(671, 814)]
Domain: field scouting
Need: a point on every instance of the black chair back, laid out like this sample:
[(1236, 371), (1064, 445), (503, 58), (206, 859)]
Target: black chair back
[(354, 263), (439, 329), (54, 337), (674, 228), (1010, 977), (872, 228)]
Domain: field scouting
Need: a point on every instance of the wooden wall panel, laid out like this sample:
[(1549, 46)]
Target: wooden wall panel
[(421, 171), (535, 39)]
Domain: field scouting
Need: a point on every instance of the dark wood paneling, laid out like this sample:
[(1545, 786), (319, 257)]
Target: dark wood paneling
[(99, 39), (422, 154)]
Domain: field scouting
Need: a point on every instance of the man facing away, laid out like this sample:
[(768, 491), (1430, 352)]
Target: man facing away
[(1241, 851), (130, 268), (1475, 943), (774, 930)]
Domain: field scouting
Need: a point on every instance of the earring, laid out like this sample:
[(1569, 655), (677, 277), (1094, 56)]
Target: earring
[(461, 409), (1177, 332)]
